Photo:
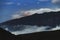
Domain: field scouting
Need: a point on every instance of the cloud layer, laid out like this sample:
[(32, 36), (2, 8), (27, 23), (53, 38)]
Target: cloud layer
[(16, 16), (56, 3), (33, 11), (32, 29)]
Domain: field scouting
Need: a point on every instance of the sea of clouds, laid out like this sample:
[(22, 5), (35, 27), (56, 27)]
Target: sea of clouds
[(32, 29)]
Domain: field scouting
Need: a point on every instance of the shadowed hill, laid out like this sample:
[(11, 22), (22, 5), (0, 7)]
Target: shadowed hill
[(5, 35), (52, 35)]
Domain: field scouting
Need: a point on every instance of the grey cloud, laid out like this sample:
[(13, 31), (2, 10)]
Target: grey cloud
[(56, 2)]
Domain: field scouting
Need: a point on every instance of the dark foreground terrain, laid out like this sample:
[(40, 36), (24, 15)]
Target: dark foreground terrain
[(52, 35)]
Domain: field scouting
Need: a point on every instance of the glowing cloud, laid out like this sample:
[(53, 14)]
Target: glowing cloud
[(33, 11), (16, 16)]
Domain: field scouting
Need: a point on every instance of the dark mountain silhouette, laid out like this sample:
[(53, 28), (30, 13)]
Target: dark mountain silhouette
[(51, 19), (5, 35), (51, 35)]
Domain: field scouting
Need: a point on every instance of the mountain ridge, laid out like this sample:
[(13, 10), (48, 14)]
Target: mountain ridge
[(45, 19)]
